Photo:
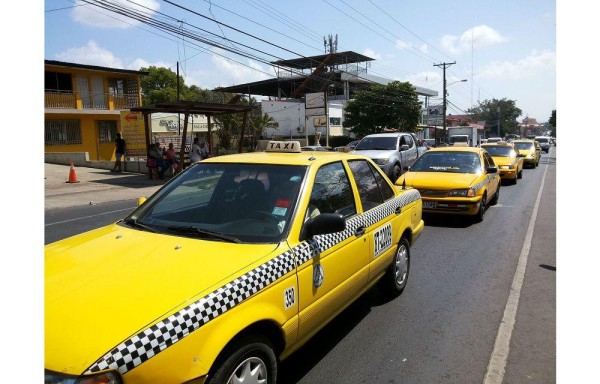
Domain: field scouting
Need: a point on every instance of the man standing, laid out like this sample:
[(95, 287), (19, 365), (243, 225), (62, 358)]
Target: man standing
[(119, 152)]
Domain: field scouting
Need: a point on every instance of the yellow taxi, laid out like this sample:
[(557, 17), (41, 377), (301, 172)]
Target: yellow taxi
[(531, 150), (454, 180), (508, 159), (227, 269)]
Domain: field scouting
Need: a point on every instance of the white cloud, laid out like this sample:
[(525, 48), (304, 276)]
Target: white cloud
[(424, 48), (91, 54), (524, 68), (94, 16), (230, 73), (476, 37), (141, 63), (427, 79), (372, 54)]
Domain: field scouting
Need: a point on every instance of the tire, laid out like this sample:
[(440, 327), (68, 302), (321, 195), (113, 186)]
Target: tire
[(394, 280), (520, 174), (396, 172), (249, 359), (481, 212)]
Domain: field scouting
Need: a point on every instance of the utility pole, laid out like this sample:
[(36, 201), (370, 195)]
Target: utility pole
[(444, 66)]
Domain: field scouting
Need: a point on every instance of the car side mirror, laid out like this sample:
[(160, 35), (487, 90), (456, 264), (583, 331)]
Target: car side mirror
[(322, 224), (492, 169), (403, 147), (141, 201), (406, 168)]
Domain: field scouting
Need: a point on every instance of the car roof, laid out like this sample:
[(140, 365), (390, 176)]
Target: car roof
[(389, 134), (299, 158), (455, 149)]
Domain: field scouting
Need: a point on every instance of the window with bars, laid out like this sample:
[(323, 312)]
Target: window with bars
[(107, 129), (62, 132)]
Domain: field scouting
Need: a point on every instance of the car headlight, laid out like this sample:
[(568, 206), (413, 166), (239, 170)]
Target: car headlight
[(382, 161), (530, 156), (468, 192), (109, 377)]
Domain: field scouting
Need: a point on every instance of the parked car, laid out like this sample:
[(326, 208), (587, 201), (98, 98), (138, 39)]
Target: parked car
[(508, 159), (544, 142), (455, 180), (227, 269), (315, 148), (494, 140), (531, 150), (391, 151)]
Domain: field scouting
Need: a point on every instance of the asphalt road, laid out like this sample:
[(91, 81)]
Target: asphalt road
[(458, 320)]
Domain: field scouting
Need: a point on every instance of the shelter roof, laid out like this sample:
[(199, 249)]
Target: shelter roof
[(194, 107), (338, 58)]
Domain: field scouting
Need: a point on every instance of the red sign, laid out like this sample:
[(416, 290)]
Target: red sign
[(131, 117)]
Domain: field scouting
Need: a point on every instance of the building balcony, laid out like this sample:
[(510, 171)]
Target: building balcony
[(74, 100)]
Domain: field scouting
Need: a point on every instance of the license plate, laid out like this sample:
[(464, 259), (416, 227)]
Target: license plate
[(429, 204)]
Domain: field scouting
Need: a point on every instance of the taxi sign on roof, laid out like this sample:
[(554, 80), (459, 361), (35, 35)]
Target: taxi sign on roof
[(283, 146)]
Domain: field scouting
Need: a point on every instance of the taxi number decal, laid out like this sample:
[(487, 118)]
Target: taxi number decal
[(289, 297), (382, 239)]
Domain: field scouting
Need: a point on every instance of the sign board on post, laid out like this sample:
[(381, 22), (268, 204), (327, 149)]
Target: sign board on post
[(435, 115), (133, 131)]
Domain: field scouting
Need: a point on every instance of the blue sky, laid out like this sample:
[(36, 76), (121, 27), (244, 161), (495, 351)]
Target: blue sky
[(505, 49)]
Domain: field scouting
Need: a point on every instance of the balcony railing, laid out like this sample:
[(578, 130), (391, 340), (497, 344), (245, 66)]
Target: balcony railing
[(74, 100), (58, 99)]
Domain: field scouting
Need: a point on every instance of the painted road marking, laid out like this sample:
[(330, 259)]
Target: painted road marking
[(497, 364)]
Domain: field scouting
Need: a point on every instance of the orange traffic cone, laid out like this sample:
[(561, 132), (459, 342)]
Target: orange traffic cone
[(72, 175)]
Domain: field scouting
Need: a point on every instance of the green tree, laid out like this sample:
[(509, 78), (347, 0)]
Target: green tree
[(502, 113), (395, 105), (160, 85), (552, 122), (258, 124)]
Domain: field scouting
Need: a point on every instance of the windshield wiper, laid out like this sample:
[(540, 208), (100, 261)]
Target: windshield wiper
[(136, 224), (205, 232)]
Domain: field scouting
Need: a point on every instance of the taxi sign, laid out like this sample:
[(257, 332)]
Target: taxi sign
[(283, 146)]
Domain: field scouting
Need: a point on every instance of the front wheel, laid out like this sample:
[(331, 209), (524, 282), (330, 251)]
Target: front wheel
[(481, 212), (394, 280), (396, 172), (249, 360)]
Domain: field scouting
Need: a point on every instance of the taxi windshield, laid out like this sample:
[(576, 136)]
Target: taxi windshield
[(452, 162), (500, 150), (524, 146), (241, 203)]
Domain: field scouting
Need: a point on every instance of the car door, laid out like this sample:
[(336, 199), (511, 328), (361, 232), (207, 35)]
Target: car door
[(493, 178), (337, 265), (409, 155), (381, 212)]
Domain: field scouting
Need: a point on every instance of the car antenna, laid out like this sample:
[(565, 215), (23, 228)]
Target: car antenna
[(404, 183)]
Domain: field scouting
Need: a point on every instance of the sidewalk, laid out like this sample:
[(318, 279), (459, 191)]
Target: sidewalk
[(94, 186)]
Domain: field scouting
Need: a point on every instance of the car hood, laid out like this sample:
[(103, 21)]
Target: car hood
[(437, 180), (374, 154), (504, 160), (106, 285)]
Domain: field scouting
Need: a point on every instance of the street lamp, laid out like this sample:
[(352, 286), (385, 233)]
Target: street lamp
[(444, 105)]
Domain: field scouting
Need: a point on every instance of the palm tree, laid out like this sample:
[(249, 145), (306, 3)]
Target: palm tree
[(258, 124)]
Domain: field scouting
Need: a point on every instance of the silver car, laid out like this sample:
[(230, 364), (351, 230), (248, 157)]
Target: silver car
[(391, 151)]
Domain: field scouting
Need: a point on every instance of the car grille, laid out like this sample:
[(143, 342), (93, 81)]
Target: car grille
[(432, 193)]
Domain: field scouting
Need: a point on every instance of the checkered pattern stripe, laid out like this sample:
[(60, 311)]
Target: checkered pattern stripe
[(167, 332), (376, 215), (151, 341)]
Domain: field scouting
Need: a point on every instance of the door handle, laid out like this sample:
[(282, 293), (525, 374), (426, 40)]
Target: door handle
[(360, 231)]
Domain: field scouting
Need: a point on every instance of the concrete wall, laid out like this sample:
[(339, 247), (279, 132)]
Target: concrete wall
[(81, 159)]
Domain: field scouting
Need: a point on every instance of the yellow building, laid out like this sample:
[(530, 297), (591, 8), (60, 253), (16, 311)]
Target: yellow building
[(83, 105)]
